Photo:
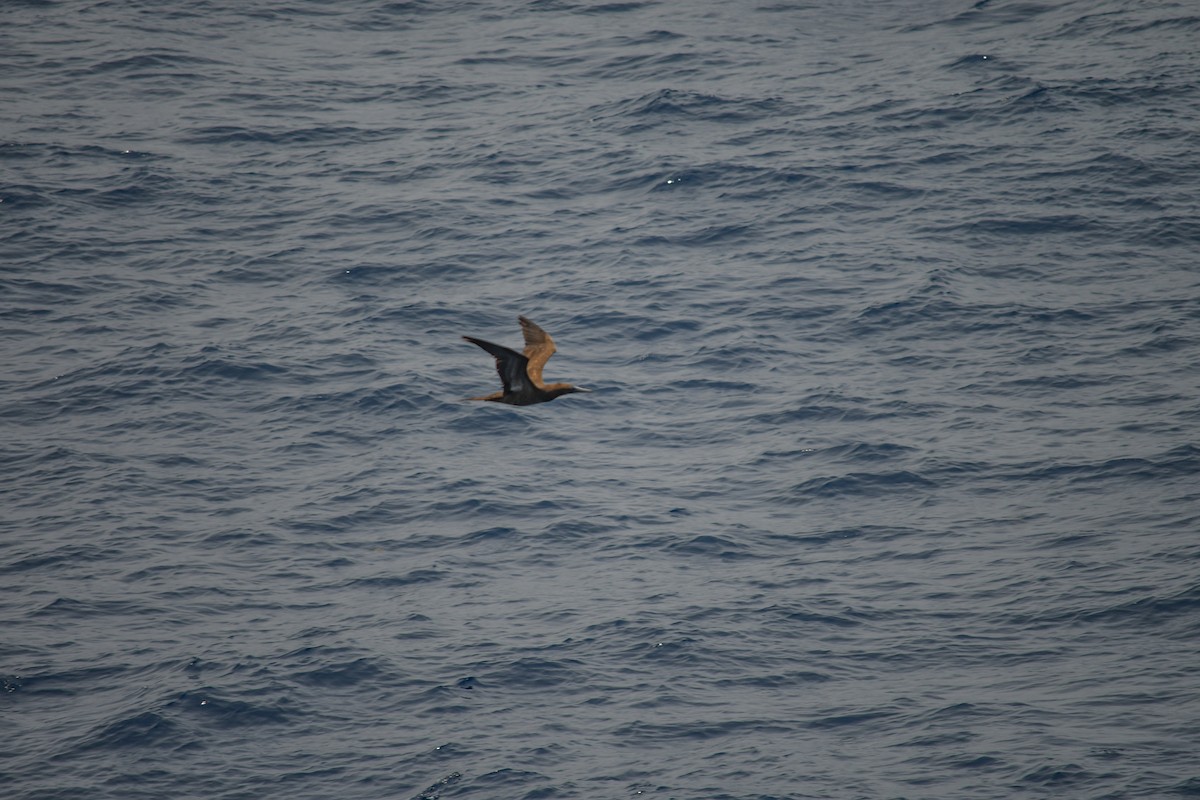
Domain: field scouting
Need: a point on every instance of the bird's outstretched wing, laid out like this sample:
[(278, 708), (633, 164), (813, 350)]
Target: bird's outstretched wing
[(538, 349), (511, 365)]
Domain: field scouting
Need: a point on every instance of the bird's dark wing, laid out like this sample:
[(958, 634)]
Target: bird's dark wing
[(511, 365), (538, 349)]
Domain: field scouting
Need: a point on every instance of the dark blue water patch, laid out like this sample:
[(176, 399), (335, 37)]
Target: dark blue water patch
[(641, 39), (434, 791), (660, 66), (711, 546), (442, 700), (1173, 615), (376, 516), (1058, 776), (939, 740), (160, 575), (493, 419), (67, 607), (145, 729), (971, 61), (141, 375), (537, 674), (590, 9), (416, 576), (1185, 22), (234, 540), (1183, 461), (514, 783), (497, 534), (1057, 385), (750, 181), (153, 64), (62, 471), (669, 651), (673, 105), (109, 174), (860, 484), (792, 617), (211, 363), (57, 558), (1140, 91), (933, 308), (1042, 225), (20, 198), (850, 452), (130, 188), (577, 528), (775, 682), (62, 684), (400, 16), (1168, 231), (37, 251), (334, 672), (837, 536), (427, 92), (274, 269), (719, 386), (237, 135), (208, 707), (388, 402), (17, 152), (887, 191), (958, 711), (959, 761), (310, 14), (1153, 611), (508, 57), (426, 271), (61, 156), (850, 719), (1071, 542), (700, 236), (492, 508), (1188, 788), (816, 408), (641, 734)]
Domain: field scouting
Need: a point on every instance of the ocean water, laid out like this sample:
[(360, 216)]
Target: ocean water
[(888, 485)]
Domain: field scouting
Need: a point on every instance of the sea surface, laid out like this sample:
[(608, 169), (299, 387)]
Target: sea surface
[(888, 485)]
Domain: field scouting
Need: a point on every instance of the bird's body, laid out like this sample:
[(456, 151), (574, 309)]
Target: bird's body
[(521, 373)]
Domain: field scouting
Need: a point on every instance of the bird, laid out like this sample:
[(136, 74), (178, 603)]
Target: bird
[(521, 374)]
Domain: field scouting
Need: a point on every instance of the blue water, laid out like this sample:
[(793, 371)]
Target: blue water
[(888, 487)]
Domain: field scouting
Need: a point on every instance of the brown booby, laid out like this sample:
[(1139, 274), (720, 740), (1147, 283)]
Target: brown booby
[(522, 374)]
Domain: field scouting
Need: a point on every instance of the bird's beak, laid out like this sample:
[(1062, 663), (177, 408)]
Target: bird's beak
[(581, 389)]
